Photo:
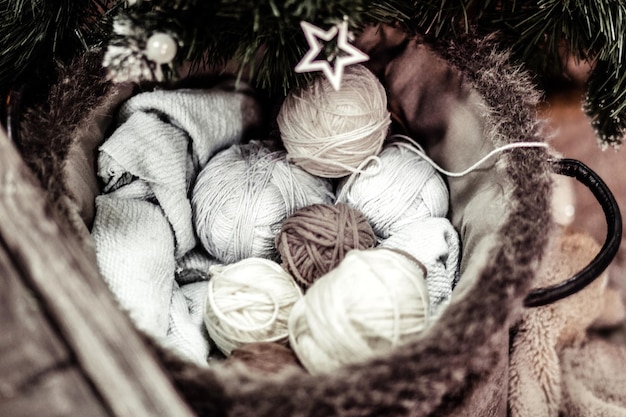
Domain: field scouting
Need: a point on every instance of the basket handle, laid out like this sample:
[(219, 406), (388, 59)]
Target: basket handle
[(586, 176)]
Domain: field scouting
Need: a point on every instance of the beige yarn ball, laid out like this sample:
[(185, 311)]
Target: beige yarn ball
[(330, 133), (249, 301)]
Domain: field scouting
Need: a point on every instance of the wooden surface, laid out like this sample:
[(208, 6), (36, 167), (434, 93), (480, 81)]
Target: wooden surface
[(65, 347), (38, 373)]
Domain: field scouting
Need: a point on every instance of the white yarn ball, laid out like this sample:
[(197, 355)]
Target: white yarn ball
[(329, 133), (243, 195), (400, 189), (372, 302), (249, 301)]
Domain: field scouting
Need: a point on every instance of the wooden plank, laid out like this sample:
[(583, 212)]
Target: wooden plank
[(38, 376), (28, 347), (54, 267), (60, 393)]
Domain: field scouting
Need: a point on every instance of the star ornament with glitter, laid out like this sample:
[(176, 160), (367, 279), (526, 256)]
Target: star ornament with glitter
[(351, 55)]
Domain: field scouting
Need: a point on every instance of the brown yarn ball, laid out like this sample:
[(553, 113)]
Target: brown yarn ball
[(264, 357), (314, 239)]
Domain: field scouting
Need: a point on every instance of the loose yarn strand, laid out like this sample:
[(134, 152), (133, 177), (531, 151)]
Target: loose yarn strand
[(372, 170), (330, 162), (420, 151)]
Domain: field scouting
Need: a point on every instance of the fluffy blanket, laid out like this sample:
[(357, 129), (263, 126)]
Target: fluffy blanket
[(556, 367)]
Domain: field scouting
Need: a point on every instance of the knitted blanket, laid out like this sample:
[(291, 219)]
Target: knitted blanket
[(143, 230)]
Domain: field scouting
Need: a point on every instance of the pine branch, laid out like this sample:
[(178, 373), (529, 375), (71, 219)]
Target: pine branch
[(541, 33), (33, 33), (263, 37), (605, 102)]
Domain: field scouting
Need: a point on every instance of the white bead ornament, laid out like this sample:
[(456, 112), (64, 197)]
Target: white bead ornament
[(161, 48)]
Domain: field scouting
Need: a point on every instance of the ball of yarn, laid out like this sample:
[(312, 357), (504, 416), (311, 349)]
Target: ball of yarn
[(329, 133), (314, 239), (372, 302), (267, 358), (243, 195), (249, 301), (400, 189)]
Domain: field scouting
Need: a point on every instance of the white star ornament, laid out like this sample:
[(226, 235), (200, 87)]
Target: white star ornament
[(309, 62)]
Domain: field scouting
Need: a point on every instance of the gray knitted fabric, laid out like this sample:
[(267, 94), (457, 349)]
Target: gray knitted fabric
[(143, 226)]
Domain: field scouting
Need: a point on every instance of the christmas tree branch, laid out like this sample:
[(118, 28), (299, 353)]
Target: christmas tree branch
[(264, 39), (34, 33)]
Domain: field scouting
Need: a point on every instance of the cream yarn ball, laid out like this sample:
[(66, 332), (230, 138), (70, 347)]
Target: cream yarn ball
[(243, 195), (330, 133), (372, 302), (249, 301)]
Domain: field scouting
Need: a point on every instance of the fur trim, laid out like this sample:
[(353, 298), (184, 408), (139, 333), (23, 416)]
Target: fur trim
[(47, 128)]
